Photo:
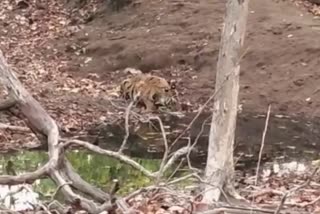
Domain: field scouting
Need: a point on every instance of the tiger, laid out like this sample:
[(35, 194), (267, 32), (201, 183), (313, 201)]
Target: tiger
[(148, 91)]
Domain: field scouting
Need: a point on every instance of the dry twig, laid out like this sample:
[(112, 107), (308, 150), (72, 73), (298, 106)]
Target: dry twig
[(200, 111), (166, 149), (262, 144), (124, 142), (191, 147)]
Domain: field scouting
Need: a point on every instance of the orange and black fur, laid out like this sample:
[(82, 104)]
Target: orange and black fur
[(148, 91)]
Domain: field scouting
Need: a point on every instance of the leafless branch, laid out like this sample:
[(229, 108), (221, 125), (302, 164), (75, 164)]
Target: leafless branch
[(125, 139), (175, 171), (266, 192), (28, 177), (183, 178), (191, 147), (46, 129), (58, 168), (58, 189), (200, 110), (238, 210), (14, 128), (311, 202), (8, 103), (262, 144), (166, 148), (117, 155), (175, 156)]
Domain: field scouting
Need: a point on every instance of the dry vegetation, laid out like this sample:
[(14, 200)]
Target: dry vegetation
[(29, 40)]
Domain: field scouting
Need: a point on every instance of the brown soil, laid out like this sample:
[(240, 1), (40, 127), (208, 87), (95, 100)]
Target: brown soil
[(72, 65), (180, 40)]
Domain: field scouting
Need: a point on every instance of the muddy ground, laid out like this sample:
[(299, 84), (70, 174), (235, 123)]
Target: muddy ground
[(72, 57), (180, 40)]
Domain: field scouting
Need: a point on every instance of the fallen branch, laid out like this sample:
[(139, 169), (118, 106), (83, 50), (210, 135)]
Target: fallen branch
[(117, 155), (125, 159), (14, 128), (125, 139), (261, 148), (191, 147), (8, 103), (45, 128), (57, 190), (265, 192), (166, 148), (58, 167), (28, 177), (262, 143), (242, 210), (175, 156)]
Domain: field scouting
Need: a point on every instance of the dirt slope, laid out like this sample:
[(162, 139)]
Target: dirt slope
[(55, 56), (180, 39)]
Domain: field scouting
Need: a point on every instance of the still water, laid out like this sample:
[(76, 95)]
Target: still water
[(96, 169), (291, 145)]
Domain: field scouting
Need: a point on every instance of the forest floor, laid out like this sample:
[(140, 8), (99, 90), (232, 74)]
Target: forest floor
[(72, 58)]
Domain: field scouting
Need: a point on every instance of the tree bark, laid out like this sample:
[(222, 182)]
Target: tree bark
[(219, 171)]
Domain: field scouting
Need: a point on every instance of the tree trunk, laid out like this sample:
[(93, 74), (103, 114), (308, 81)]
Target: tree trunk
[(219, 171)]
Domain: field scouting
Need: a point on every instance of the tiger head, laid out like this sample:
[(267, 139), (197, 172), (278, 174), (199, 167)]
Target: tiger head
[(164, 93)]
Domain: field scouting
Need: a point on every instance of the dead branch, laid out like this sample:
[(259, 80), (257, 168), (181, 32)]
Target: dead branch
[(166, 148), (310, 203), (74, 177), (200, 111), (83, 186), (8, 103), (29, 177), (175, 171), (181, 179), (202, 107), (191, 147), (45, 128), (262, 143), (265, 192), (239, 210), (117, 155), (125, 159), (175, 156), (58, 168), (14, 128), (57, 190), (125, 139)]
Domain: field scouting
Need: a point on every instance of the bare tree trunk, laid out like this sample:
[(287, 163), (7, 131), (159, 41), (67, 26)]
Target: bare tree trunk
[(220, 168)]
